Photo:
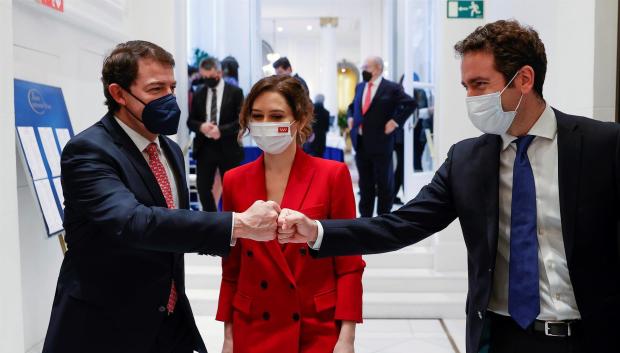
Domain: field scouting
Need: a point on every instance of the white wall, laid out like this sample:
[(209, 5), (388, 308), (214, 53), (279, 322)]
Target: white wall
[(11, 312), (65, 50)]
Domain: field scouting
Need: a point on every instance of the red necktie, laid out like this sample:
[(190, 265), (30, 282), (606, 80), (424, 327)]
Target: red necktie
[(164, 184), (367, 99)]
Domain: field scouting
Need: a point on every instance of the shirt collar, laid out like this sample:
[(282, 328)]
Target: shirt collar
[(140, 141), (546, 127), (377, 81)]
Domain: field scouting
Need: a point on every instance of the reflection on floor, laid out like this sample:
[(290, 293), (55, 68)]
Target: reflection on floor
[(377, 336)]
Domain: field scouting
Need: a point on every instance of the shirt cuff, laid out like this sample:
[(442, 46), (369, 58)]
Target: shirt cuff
[(233, 241), (316, 245)]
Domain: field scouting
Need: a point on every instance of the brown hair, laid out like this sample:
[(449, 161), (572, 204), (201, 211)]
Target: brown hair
[(512, 45), (295, 95), (121, 66)]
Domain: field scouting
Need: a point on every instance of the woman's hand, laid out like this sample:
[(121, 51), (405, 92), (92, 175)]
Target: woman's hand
[(344, 347), (227, 347)]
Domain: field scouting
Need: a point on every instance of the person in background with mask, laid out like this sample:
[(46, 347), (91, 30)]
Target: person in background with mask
[(538, 200), (214, 118), (379, 107), (277, 298), (121, 286)]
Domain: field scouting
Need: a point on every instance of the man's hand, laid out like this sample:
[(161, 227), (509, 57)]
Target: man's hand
[(390, 126), (259, 222), (295, 227), (215, 133), (206, 127)]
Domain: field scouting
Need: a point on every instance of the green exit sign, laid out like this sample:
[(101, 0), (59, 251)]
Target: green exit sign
[(465, 9)]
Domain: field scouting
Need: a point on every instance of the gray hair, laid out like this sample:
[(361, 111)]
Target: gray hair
[(209, 63), (319, 98), (378, 60)]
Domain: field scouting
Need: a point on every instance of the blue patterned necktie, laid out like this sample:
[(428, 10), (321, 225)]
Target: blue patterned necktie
[(523, 291)]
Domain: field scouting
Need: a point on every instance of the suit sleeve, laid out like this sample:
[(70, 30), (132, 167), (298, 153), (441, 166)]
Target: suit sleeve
[(230, 265), (94, 189), (429, 212), (405, 105), (349, 269), (194, 120), (232, 128)]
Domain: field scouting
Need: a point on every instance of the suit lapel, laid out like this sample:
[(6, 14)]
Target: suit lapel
[(258, 191), (136, 158), (378, 94), (569, 168), (489, 159), (178, 168)]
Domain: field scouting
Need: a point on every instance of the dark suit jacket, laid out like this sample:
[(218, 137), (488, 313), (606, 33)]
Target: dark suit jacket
[(125, 246), (228, 145), (320, 126), (389, 102), (467, 186), (302, 81)]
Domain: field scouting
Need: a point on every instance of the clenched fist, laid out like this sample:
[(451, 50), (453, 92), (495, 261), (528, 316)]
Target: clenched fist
[(295, 227), (259, 222)]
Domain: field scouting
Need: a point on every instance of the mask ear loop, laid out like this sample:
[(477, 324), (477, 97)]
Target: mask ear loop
[(509, 82), (139, 100)]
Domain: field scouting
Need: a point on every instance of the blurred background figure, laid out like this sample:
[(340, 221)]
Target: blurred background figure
[(320, 125), (230, 70), (379, 107), (283, 67), (214, 118)]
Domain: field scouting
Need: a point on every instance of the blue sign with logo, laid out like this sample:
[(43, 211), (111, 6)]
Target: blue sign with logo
[(43, 128)]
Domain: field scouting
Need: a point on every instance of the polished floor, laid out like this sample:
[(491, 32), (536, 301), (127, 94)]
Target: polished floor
[(377, 336)]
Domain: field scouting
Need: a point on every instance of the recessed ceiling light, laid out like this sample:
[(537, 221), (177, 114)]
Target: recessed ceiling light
[(280, 29), (309, 27)]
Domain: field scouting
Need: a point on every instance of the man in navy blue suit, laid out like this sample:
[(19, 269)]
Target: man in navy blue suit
[(121, 286), (538, 200), (378, 108)]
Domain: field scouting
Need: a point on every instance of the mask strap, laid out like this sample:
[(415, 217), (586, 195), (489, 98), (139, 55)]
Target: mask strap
[(509, 82), (130, 112)]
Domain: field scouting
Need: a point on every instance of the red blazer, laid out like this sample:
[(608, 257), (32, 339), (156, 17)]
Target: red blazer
[(286, 300)]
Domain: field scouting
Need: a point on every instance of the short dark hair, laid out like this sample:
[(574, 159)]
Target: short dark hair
[(121, 66), (283, 63), (209, 63), (295, 95), (512, 45)]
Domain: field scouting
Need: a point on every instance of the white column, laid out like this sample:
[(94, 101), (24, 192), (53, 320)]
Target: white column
[(328, 65), (11, 311)]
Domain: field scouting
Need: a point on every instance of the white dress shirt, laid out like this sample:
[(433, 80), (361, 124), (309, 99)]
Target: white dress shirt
[(220, 94), (142, 143), (557, 299)]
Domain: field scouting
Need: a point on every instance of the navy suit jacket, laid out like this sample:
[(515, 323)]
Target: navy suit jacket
[(124, 245), (466, 187), (389, 102)]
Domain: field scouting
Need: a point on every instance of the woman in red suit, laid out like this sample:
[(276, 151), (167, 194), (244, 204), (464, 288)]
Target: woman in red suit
[(276, 298)]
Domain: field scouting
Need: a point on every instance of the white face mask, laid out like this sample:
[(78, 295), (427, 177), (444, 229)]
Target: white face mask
[(487, 114), (272, 138)]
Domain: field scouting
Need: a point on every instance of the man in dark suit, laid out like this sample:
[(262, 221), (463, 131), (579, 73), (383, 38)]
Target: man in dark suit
[(537, 197), (121, 286), (215, 120), (283, 67), (320, 126), (379, 107)]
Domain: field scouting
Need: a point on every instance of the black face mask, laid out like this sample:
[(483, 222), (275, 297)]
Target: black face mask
[(366, 76), (211, 82), (160, 116)]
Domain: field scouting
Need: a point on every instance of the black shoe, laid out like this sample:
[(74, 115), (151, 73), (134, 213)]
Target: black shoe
[(398, 201)]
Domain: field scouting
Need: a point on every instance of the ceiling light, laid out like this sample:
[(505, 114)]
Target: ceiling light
[(309, 27), (280, 29)]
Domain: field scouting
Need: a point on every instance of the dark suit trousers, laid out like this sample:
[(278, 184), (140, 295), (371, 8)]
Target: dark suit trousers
[(376, 180), (206, 165), (174, 336), (508, 337), (399, 173)]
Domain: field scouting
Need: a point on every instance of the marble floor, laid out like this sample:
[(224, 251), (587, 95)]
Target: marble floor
[(378, 336)]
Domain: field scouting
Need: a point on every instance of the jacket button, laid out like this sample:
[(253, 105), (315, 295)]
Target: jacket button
[(162, 309), (303, 251), (264, 284), (250, 253), (296, 317), (266, 316)]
